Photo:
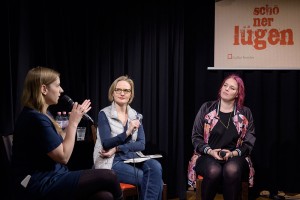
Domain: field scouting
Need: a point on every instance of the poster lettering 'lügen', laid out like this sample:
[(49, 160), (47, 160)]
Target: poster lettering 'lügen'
[(257, 34)]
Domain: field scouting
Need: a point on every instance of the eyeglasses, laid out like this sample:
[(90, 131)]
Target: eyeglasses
[(119, 91)]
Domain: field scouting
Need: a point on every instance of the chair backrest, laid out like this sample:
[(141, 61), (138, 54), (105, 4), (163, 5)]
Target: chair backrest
[(94, 132), (6, 176), (8, 141)]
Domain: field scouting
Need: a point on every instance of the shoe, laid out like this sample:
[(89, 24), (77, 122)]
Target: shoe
[(277, 197)]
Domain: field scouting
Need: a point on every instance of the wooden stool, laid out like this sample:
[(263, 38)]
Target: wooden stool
[(131, 191), (244, 192)]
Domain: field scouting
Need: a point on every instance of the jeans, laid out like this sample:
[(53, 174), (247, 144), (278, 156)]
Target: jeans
[(146, 175)]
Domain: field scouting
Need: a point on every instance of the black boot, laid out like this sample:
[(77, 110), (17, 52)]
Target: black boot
[(277, 197)]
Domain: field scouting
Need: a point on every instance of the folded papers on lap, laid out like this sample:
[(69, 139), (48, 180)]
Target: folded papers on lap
[(142, 158)]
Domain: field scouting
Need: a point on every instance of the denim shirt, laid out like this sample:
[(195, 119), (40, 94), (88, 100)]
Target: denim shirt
[(112, 133)]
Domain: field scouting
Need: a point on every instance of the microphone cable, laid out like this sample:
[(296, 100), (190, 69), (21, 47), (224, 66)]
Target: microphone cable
[(136, 178), (139, 117)]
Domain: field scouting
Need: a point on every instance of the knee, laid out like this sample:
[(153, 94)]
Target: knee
[(231, 171), (154, 166), (103, 195), (110, 175), (109, 172), (214, 173)]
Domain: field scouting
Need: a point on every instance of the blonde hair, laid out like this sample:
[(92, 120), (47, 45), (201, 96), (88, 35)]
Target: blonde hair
[(114, 84), (32, 96)]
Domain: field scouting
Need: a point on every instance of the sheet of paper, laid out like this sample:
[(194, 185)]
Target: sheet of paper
[(136, 160), (142, 158)]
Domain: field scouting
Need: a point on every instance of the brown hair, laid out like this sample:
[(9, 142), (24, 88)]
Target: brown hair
[(35, 78), (32, 96)]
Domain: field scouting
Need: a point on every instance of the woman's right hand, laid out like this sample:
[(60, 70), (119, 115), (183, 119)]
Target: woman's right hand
[(64, 151), (215, 154), (133, 126)]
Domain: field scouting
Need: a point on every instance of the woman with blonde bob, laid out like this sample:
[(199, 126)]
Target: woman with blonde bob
[(121, 137)]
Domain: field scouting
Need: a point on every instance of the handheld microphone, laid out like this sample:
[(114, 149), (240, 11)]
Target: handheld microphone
[(71, 102), (139, 117), (222, 154)]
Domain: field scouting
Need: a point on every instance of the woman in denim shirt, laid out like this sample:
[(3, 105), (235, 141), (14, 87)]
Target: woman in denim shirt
[(121, 138)]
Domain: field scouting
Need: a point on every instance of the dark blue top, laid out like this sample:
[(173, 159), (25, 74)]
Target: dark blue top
[(34, 137)]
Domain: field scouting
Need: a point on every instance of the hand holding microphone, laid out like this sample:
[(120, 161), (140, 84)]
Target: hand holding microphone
[(134, 124), (222, 153), (83, 108), (138, 117)]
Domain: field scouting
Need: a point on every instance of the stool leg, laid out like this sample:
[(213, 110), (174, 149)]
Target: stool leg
[(165, 192), (198, 189), (245, 188)]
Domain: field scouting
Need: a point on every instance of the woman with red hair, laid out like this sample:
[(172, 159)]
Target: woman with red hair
[(223, 138)]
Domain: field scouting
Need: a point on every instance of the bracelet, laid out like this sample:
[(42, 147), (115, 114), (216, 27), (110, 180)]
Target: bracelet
[(208, 151), (231, 155)]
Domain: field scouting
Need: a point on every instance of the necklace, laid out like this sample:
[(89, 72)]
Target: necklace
[(227, 122)]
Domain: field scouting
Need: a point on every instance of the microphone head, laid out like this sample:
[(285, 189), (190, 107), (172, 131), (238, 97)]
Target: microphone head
[(222, 154), (67, 99), (139, 116)]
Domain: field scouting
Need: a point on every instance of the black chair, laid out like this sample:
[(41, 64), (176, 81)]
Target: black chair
[(6, 177), (7, 142)]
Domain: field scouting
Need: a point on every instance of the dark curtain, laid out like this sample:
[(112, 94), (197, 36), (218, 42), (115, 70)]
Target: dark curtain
[(272, 96), (165, 47)]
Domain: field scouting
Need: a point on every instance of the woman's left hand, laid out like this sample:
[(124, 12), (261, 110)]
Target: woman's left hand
[(84, 107), (108, 153), (227, 155), (78, 111)]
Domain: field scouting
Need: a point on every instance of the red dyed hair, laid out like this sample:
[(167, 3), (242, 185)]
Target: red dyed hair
[(241, 89)]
